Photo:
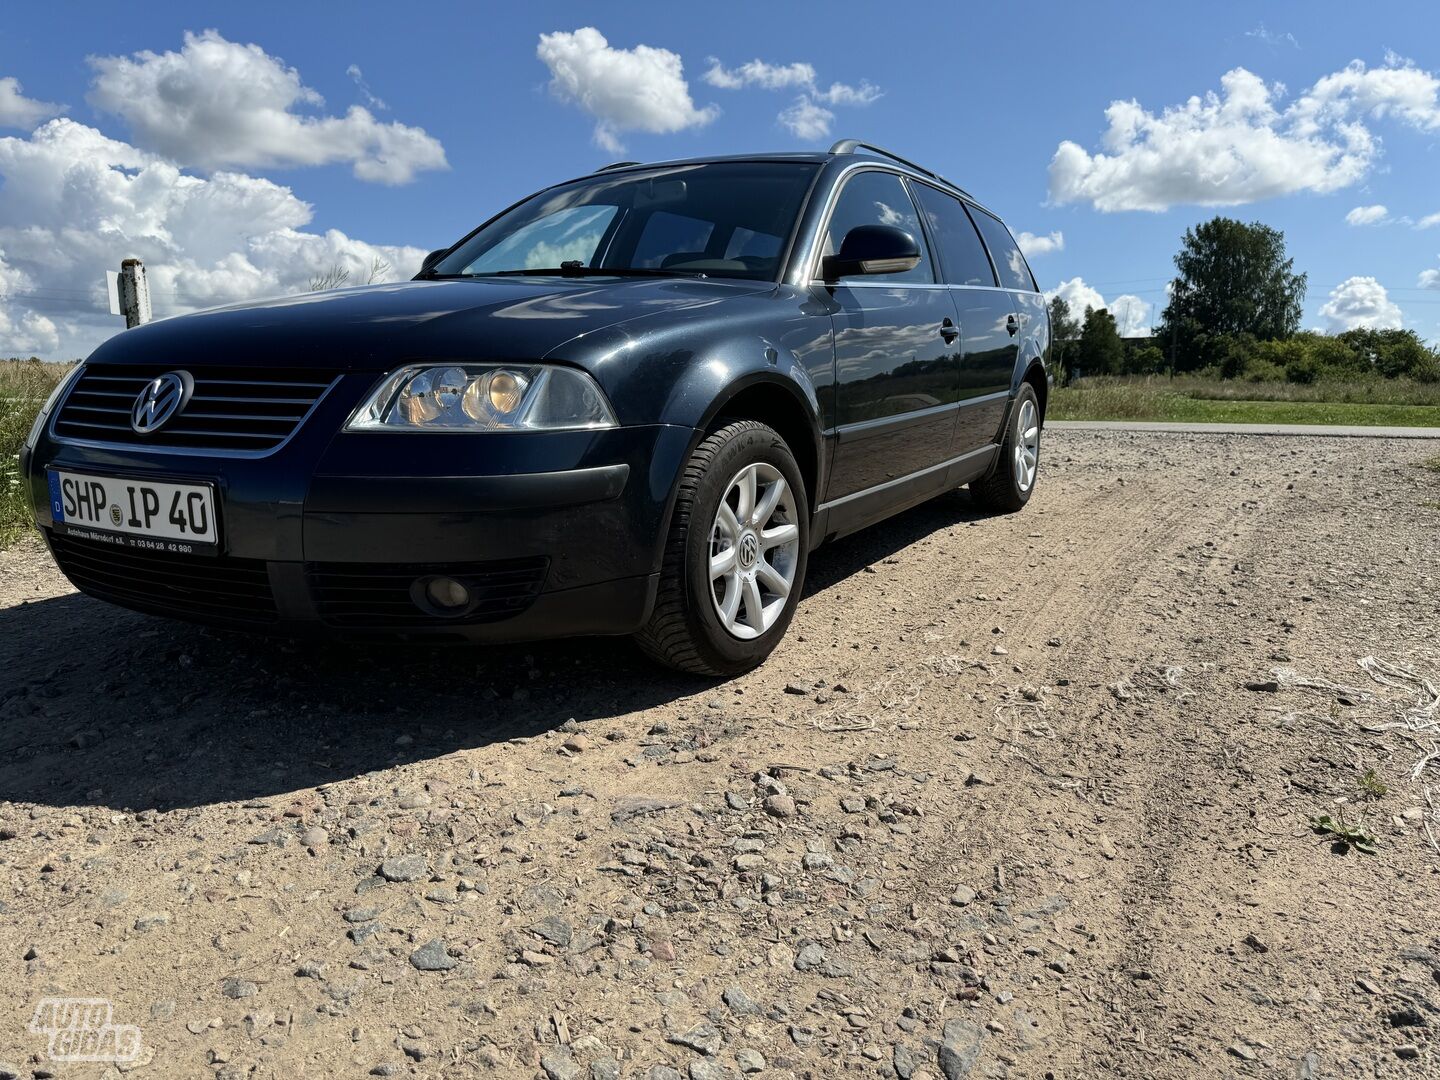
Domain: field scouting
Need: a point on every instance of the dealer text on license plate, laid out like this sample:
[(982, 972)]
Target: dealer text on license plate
[(135, 513)]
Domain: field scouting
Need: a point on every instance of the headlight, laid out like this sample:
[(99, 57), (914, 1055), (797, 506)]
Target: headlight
[(484, 397), (44, 414)]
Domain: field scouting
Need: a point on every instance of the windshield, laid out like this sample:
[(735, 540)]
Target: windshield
[(726, 219)]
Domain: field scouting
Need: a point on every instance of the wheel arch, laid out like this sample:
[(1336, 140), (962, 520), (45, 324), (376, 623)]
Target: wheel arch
[(1036, 376), (778, 403)]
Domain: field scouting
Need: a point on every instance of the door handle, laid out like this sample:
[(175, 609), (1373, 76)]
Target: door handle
[(949, 331), (1012, 324)]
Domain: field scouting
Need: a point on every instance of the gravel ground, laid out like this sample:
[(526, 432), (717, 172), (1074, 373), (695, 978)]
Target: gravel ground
[(1020, 796)]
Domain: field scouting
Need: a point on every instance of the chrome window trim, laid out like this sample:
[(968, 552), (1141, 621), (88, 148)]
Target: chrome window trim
[(810, 264), (989, 257), (809, 261), (187, 451)]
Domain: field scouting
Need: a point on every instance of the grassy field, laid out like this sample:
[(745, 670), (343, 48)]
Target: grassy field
[(1213, 401), (23, 389)]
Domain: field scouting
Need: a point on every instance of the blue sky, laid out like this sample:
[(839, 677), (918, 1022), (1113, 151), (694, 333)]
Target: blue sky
[(237, 172)]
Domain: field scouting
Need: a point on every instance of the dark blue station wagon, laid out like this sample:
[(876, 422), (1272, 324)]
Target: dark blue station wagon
[(632, 403)]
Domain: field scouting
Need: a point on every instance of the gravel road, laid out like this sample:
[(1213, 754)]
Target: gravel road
[(1021, 796)]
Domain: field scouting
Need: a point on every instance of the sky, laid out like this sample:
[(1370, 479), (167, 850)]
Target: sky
[(243, 151)]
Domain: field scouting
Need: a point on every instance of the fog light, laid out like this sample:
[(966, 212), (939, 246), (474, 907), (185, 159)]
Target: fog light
[(447, 594)]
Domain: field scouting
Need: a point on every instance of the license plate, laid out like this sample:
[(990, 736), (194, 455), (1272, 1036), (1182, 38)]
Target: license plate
[(145, 514)]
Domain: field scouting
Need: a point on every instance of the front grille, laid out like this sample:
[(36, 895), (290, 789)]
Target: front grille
[(215, 589), (234, 409), (377, 595)]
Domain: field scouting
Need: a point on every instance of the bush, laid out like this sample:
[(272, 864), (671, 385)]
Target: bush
[(1235, 355), (1144, 360), (1427, 370), (24, 386), (1309, 358), (1260, 370), (1303, 370)]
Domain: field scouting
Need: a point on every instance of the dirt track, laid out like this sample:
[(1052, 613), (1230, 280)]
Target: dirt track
[(1002, 805)]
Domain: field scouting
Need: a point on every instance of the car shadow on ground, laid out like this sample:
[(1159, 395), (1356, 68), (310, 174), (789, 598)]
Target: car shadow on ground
[(105, 707)]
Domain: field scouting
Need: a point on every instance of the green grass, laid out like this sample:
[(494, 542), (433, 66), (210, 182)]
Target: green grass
[(1213, 401), (23, 388)]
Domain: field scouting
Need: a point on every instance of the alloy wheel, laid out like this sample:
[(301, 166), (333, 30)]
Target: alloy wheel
[(754, 550), (1027, 446)]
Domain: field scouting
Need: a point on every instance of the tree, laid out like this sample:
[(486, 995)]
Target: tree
[(1233, 278), (1100, 352), (1064, 332)]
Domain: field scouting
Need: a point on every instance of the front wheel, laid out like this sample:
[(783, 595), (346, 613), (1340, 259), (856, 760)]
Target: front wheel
[(1011, 482), (735, 555)]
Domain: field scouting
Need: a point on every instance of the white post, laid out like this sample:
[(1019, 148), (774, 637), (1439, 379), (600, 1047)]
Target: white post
[(134, 293)]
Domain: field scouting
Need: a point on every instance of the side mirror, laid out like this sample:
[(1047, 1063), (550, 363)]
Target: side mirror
[(433, 258), (873, 249)]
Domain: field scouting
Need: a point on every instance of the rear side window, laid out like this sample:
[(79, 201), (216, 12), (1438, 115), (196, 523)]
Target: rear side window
[(962, 256), (878, 198), (1009, 263)]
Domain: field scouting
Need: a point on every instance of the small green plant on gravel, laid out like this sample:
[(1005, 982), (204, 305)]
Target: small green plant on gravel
[(1372, 786), (1344, 835), (1433, 464)]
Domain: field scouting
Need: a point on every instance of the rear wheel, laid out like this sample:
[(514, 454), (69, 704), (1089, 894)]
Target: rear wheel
[(1011, 482), (735, 556)]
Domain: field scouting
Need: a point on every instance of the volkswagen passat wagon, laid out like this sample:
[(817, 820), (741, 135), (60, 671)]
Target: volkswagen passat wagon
[(632, 403)]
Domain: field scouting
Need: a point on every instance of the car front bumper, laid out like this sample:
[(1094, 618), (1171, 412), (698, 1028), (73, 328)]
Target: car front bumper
[(561, 533)]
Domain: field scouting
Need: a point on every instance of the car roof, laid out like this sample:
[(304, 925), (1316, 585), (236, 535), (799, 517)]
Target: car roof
[(846, 148)]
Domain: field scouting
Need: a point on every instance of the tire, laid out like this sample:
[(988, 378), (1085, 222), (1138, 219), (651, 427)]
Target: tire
[(688, 630), (1010, 484)]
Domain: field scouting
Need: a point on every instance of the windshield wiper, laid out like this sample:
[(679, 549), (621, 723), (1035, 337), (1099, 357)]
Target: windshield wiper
[(579, 269)]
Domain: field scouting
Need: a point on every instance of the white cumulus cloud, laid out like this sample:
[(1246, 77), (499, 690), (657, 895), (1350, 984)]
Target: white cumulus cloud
[(1077, 294), (1360, 302), (759, 73), (18, 111), (807, 119), (74, 202), (1033, 245), (220, 104), (1367, 215), (358, 78), (1429, 221), (1273, 38), (808, 116), (1132, 314), (1245, 143), (1429, 279), (639, 89)]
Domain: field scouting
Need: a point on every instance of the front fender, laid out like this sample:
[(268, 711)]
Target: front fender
[(688, 371)]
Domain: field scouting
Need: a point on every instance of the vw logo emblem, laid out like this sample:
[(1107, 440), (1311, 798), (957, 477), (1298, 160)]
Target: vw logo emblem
[(749, 550), (161, 399)]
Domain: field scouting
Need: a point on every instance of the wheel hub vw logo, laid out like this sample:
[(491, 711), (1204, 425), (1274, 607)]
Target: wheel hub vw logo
[(749, 550), (161, 399)]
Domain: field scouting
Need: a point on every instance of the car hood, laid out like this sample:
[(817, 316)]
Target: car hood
[(374, 327)]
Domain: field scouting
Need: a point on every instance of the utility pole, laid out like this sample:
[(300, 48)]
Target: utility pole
[(129, 293)]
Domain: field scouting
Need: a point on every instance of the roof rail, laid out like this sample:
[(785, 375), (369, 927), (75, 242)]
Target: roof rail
[(619, 165), (849, 146)]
